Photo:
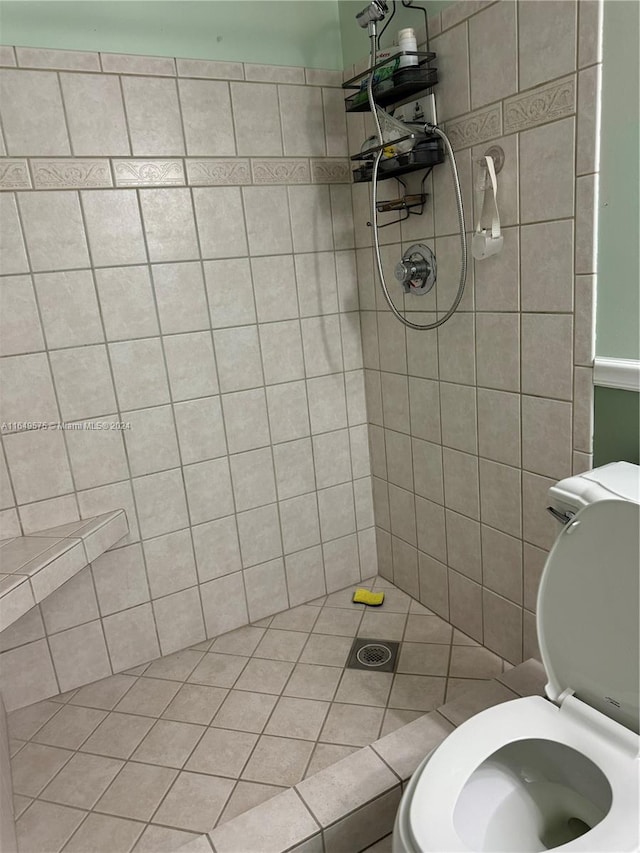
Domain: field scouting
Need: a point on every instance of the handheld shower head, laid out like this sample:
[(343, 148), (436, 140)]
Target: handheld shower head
[(375, 11)]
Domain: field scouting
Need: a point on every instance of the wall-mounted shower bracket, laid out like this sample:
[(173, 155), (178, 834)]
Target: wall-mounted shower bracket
[(417, 270), (484, 181)]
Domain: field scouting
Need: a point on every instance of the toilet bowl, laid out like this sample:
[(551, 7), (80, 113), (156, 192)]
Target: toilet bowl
[(558, 773)]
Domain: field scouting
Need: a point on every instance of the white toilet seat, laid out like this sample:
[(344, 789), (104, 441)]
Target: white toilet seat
[(607, 744)]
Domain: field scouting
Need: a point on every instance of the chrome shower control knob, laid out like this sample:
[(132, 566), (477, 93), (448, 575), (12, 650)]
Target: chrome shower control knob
[(416, 272), (408, 272)]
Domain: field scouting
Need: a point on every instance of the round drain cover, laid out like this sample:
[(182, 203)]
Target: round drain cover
[(374, 654)]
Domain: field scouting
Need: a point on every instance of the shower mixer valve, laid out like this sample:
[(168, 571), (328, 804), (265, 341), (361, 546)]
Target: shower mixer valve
[(417, 270)]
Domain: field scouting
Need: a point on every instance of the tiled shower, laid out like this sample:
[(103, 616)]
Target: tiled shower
[(187, 267), (470, 425), (179, 259)]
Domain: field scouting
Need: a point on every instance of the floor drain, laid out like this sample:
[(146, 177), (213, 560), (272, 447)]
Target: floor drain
[(374, 654), (377, 655)]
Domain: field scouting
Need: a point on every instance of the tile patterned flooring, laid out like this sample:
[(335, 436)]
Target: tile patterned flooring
[(148, 759)]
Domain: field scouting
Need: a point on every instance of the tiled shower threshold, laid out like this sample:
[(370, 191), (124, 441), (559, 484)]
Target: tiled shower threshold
[(149, 759)]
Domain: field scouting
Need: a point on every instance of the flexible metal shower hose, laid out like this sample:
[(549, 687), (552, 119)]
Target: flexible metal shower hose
[(432, 128)]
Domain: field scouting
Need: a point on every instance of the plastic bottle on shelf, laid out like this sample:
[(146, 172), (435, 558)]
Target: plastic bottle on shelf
[(407, 41)]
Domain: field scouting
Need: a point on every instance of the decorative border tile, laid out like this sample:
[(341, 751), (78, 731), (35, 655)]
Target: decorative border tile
[(70, 174), (218, 171), (14, 174), (148, 173), (475, 127), (546, 103), (279, 170), (336, 171)]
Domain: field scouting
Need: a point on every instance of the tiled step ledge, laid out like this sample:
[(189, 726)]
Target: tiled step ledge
[(351, 805), (34, 566)]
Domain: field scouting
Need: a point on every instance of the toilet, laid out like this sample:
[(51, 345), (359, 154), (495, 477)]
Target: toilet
[(558, 773)]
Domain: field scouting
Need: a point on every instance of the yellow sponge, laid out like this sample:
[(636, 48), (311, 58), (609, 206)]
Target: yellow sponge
[(364, 596)]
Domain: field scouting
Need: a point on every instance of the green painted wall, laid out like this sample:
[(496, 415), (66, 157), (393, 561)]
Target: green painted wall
[(276, 32), (618, 426), (355, 43), (618, 317), (617, 413)]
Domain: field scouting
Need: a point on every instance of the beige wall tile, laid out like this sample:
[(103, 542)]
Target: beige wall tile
[(498, 351), (267, 216), (547, 266), (434, 585), (220, 222), (256, 119), (71, 604), (465, 605), (586, 223), (153, 115), (206, 114), (131, 637), (179, 620), (20, 329), (14, 256), (182, 352), (120, 579), (80, 655), (161, 504), (502, 563), (539, 528), (275, 288), (139, 373), (266, 589), (83, 382), (200, 429), (95, 115), (546, 370), (499, 426), (53, 230), (463, 545), (500, 501), (301, 115), (547, 40), (493, 74), (547, 169), (589, 82), (230, 293), (29, 57), (170, 563), (546, 436), (27, 677), (453, 74), (32, 114), (69, 308), (169, 226), (245, 414), (502, 626), (224, 604), (126, 302), (114, 227), (38, 465), (27, 390)]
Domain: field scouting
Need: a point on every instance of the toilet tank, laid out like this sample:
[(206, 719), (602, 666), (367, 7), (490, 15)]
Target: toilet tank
[(615, 481)]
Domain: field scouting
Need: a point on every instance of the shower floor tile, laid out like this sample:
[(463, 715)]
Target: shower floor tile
[(149, 759)]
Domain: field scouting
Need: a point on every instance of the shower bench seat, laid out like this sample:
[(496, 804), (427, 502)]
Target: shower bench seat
[(34, 566)]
